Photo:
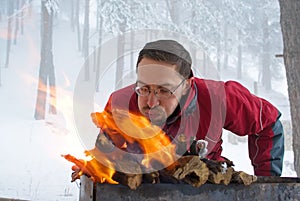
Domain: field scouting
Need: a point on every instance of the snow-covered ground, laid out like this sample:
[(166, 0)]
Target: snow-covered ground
[(31, 164)]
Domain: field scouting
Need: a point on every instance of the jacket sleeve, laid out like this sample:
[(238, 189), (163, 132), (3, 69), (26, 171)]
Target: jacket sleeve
[(247, 114), (266, 150)]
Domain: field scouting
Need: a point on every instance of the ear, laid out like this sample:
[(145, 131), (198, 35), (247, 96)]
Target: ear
[(186, 86)]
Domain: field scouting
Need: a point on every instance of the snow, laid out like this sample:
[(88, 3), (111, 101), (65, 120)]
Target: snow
[(31, 164)]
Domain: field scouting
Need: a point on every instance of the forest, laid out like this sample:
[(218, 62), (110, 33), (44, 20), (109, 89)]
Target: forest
[(222, 35)]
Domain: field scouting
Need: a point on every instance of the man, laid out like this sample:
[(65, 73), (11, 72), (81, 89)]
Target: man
[(190, 108)]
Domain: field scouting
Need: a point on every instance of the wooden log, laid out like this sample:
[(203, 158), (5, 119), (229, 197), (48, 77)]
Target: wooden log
[(243, 178), (189, 169), (133, 181), (129, 172), (217, 166), (166, 177), (221, 177), (220, 172), (151, 178)]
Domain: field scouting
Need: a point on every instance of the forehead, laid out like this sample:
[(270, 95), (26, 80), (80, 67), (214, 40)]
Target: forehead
[(157, 72)]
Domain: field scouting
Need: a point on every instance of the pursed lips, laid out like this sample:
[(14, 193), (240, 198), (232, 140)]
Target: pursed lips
[(152, 113)]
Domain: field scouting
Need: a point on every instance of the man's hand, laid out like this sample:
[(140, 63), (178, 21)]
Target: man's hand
[(79, 168), (77, 173)]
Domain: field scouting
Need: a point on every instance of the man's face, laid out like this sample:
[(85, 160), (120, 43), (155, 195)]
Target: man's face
[(159, 78)]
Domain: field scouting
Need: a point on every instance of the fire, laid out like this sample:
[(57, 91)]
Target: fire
[(123, 127), (98, 172), (155, 144)]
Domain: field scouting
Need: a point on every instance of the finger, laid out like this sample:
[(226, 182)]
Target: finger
[(75, 167)]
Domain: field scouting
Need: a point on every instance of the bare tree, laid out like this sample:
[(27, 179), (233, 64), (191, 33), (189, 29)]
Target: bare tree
[(10, 11), (17, 20), (85, 40), (2, 5), (23, 2), (86, 27), (290, 26), (100, 27), (239, 56), (0, 77), (120, 55), (77, 9), (266, 57), (72, 15), (46, 72), (226, 54)]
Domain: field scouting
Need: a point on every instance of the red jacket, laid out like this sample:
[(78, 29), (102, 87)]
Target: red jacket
[(211, 106)]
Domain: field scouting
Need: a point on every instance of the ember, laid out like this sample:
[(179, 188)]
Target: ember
[(160, 163)]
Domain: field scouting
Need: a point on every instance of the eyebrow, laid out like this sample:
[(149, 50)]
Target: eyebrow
[(162, 85)]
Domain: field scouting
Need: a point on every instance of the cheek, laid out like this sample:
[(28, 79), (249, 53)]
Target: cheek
[(170, 106), (142, 102)]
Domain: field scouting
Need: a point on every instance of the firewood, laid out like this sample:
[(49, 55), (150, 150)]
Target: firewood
[(189, 169), (217, 166), (151, 178), (220, 172), (133, 181), (221, 177), (129, 172), (243, 178), (166, 177)]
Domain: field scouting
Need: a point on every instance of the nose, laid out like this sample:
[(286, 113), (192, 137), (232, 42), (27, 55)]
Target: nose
[(152, 99)]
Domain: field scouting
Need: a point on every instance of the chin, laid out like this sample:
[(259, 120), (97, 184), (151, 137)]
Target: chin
[(158, 122)]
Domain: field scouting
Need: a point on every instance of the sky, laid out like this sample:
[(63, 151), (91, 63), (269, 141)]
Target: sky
[(32, 167)]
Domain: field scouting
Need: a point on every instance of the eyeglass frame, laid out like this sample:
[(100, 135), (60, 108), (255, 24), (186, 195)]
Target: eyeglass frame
[(155, 90)]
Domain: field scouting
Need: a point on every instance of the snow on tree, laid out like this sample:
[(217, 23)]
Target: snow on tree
[(52, 6)]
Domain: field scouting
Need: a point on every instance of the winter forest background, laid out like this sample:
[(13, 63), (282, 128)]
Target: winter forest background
[(47, 47)]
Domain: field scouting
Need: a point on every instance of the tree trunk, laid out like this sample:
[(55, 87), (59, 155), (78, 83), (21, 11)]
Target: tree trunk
[(98, 16), (239, 65), (78, 24), (120, 57), (290, 25), (132, 60), (175, 7), (51, 74), (219, 49), (99, 48), (22, 16), (46, 72), (266, 60), (225, 62), (72, 16), (10, 5), (2, 5), (0, 74), (85, 41), (17, 19), (204, 63)]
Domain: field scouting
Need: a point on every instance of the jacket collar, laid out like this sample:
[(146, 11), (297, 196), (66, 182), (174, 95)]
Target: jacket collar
[(188, 104)]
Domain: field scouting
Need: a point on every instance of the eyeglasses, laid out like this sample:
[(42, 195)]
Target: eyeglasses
[(161, 92)]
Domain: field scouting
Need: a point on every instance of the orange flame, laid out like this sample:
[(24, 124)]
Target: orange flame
[(124, 127), (155, 143), (98, 172)]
